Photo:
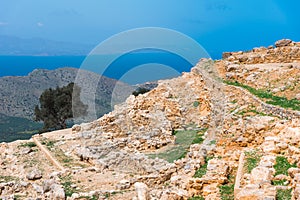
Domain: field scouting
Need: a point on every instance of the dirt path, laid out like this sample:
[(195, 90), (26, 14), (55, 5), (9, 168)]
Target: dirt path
[(48, 154)]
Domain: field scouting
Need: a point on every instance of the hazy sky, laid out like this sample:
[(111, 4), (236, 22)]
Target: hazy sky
[(219, 25)]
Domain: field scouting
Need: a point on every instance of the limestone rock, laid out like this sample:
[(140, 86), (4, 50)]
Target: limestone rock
[(260, 175), (296, 193), (283, 42), (34, 175), (123, 184), (141, 191), (57, 192), (292, 171)]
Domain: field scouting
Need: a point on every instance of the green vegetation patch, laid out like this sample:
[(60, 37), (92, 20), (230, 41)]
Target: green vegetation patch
[(48, 143), (243, 112), (284, 194), (202, 170), (196, 198), (184, 138), (67, 183), (5, 179), (140, 90), (227, 192), (28, 144), (94, 197), (280, 182), (252, 159), (282, 165), (272, 99), (196, 103)]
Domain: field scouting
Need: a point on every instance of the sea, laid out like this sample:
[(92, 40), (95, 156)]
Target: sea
[(144, 66)]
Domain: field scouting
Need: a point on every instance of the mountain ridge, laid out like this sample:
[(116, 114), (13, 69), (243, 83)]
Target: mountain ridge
[(20, 94)]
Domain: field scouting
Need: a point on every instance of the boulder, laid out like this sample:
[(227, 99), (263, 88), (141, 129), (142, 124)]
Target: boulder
[(142, 191), (57, 192), (226, 55), (260, 175), (283, 42), (37, 188), (47, 185), (250, 194), (34, 175), (123, 184)]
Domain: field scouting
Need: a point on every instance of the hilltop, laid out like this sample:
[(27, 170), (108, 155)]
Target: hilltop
[(227, 129)]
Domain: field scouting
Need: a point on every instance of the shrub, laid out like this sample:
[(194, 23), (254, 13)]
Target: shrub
[(140, 90)]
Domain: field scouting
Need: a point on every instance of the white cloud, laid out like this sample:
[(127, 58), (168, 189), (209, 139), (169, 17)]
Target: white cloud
[(40, 24), (3, 23)]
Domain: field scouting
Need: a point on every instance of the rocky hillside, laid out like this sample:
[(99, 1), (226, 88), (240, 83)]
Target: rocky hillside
[(229, 129)]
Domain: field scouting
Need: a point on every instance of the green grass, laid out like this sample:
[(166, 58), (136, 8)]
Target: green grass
[(282, 165), (243, 112), (202, 170), (279, 182), (48, 143), (66, 182), (196, 198), (183, 141), (94, 197), (28, 144), (212, 142), (271, 99), (284, 194), (252, 160), (227, 192)]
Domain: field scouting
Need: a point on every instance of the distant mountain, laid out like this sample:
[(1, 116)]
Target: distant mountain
[(20, 94), (11, 45)]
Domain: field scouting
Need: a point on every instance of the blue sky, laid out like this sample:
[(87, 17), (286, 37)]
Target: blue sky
[(218, 25)]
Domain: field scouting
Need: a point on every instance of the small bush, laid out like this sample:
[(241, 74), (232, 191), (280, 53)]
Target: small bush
[(140, 90), (196, 103), (48, 143)]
